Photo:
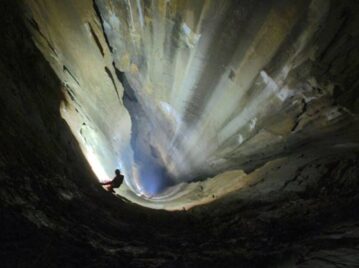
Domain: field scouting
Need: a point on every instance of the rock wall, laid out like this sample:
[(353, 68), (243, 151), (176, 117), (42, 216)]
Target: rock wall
[(209, 85), (297, 210), (70, 36), (226, 85)]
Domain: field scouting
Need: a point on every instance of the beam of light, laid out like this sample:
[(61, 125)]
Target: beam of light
[(198, 106)]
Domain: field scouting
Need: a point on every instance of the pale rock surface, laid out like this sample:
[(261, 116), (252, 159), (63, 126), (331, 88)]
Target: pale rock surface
[(210, 86)]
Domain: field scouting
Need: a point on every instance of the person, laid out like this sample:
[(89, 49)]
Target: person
[(115, 183)]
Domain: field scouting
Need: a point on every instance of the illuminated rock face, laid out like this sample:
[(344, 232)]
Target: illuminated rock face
[(173, 91), (299, 209)]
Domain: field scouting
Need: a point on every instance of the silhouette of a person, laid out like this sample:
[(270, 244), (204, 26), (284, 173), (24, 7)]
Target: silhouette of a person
[(115, 183)]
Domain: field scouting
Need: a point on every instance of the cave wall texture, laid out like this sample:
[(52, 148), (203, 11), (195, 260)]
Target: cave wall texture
[(209, 86), (261, 96)]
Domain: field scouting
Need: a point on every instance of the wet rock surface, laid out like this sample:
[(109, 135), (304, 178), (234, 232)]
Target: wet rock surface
[(299, 209)]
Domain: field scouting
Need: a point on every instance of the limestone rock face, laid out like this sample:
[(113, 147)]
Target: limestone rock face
[(259, 95), (70, 36), (172, 91)]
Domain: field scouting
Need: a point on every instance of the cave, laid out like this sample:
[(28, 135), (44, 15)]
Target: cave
[(235, 124)]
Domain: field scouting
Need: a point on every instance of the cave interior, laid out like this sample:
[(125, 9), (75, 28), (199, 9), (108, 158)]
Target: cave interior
[(235, 124)]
